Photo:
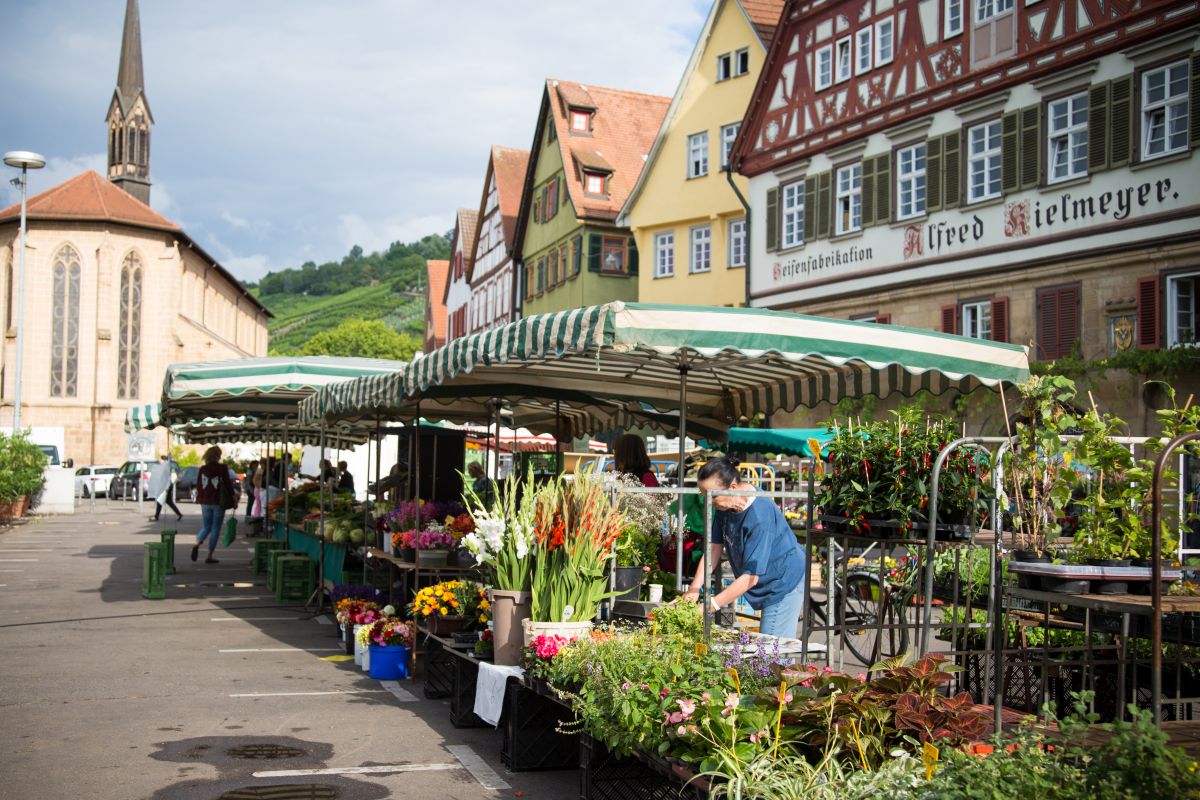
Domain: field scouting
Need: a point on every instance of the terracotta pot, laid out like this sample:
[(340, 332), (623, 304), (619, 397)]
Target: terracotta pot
[(568, 630), (20, 506), (510, 609), (6, 512)]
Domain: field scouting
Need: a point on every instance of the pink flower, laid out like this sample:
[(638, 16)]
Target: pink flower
[(688, 707), (681, 730), (862, 676), (663, 692), (706, 697), (760, 736), (675, 718), (732, 701), (625, 686)]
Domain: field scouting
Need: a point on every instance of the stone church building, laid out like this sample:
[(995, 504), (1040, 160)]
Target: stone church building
[(114, 291)]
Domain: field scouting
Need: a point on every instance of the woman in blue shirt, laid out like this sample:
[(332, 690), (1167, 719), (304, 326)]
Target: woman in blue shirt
[(767, 561)]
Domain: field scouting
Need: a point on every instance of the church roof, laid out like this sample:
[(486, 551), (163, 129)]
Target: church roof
[(130, 80), (89, 198)]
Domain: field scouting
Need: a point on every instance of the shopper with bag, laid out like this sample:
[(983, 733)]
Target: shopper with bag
[(162, 487), (216, 493)]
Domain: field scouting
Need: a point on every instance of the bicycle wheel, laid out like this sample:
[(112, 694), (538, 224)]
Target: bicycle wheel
[(873, 622)]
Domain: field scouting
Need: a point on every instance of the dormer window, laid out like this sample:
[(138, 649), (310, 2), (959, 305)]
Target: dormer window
[(593, 183), (581, 121)]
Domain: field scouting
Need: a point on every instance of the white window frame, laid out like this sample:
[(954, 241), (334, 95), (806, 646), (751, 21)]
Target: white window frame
[(975, 319), (738, 70), (843, 59), (952, 9), (1175, 311), (983, 159), (697, 164), (1165, 106), (724, 67), (864, 50), (791, 215), (1070, 136), (910, 183), (664, 254), (988, 10), (588, 177), (699, 249), (728, 137), (848, 191), (576, 114), (889, 39), (823, 57), (736, 234)]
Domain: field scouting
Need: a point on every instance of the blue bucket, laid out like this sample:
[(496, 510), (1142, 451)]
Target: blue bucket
[(389, 663)]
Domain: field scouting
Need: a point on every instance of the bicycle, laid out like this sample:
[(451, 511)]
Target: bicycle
[(871, 616)]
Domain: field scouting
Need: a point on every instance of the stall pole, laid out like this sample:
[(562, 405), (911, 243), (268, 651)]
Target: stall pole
[(558, 457), (496, 445), (681, 515), (321, 543)]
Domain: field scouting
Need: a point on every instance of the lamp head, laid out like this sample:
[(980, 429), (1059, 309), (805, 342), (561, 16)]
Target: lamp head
[(24, 159)]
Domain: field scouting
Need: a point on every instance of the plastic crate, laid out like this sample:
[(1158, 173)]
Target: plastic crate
[(295, 578), (439, 670), (532, 740), (604, 776), (261, 549), (462, 698), (154, 570), (273, 557)]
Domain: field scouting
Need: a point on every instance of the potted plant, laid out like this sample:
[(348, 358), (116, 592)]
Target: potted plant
[(390, 641), (433, 546), (448, 607)]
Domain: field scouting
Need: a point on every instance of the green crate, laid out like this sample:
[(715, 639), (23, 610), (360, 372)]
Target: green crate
[(272, 559), (296, 577), (260, 554), (154, 570), (168, 538)]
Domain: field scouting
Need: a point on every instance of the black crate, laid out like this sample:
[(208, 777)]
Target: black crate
[(462, 699), (604, 776), (439, 669), (532, 740)]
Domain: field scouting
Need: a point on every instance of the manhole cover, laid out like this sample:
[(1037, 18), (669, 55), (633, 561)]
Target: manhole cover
[(286, 791), (264, 751)]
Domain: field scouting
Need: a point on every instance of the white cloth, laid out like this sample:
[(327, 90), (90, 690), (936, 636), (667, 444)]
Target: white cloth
[(489, 690), (160, 478)]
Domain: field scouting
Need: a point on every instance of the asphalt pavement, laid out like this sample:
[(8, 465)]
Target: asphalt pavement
[(213, 693)]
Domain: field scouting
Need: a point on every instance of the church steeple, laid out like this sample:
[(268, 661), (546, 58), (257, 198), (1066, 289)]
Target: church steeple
[(129, 118)]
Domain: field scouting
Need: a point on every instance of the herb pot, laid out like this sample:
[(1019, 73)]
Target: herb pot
[(1107, 586), (1034, 582), (628, 581), (1147, 586), (510, 609)]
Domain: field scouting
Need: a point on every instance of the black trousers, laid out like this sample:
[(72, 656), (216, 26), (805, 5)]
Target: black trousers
[(158, 507)]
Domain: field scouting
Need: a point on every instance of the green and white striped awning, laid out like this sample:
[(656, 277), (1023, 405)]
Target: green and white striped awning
[(149, 416), (738, 362), (267, 389)]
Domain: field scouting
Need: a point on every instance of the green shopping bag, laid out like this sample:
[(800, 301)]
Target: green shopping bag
[(230, 531)]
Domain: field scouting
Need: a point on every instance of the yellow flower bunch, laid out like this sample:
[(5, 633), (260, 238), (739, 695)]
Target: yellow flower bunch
[(451, 599)]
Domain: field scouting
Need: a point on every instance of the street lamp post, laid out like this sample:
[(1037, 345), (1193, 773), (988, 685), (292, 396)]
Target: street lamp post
[(25, 161)]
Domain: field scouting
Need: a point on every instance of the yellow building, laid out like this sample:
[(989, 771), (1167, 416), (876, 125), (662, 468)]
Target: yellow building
[(687, 221)]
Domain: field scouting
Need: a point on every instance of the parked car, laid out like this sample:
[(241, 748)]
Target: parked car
[(185, 487), (93, 481), (124, 484)]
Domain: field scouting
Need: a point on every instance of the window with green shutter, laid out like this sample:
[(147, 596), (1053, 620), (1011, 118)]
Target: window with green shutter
[(1010, 152), (824, 204), (1120, 121), (772, 219), (1031, 146), (868, 192), (933, 175), (577, 254), (951, 169), (1194, 109), (594, 248), (810, 209), (883, 189), (1098, 128)]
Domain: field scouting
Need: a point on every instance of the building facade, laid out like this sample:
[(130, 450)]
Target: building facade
[(589, 147), (688, 222), (457, 294), (490, 274), (1024, 172), (114, 291)]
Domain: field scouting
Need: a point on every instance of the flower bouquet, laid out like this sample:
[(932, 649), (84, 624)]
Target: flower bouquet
[(485, 648), (390, 632), (448, 606), (350, 610)]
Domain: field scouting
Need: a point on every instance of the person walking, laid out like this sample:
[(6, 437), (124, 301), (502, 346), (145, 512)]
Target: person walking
[(213, 486), (248, 488), (767, 561), (162, 487)]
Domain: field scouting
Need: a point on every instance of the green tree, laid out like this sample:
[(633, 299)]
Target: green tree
[(364, 339)]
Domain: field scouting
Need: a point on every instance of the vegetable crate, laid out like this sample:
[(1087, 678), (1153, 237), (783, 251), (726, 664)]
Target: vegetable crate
[(532, 740), (273, 557), (261, 549), (295, 578), (604, 776)]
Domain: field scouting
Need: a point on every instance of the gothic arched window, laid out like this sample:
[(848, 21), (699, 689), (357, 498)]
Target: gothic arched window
[(129, 344), (64, 345)]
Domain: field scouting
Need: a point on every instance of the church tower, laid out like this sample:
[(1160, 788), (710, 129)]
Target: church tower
[(129, 118)]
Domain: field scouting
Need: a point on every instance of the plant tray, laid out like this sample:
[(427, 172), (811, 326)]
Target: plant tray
[(1085, 572), (532, 740), (890, 529), (604, 776)]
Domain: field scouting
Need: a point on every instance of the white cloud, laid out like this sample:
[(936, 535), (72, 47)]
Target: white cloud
[(379, 233), (249, 268), (237, 223)]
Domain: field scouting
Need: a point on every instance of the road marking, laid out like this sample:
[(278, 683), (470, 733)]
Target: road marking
[(310, 694), (398, 691), (29, 550), (324, 620), (253, 619), (383, 769), (222, 599), (17, 560), (480, 771), (283, 650), (21, 570)]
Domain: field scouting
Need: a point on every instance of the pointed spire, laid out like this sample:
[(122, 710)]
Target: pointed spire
[(129, 73)]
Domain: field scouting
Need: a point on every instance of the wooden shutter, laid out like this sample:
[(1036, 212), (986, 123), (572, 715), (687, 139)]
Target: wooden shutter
[(631, 260), (1194, 107), (1120, 123), (950, 319), (1098, 127), (537, 209), (999, 319), (824, 204), (933, 175), (1057, 321), (1010, 152), (868, 192), (1068, 309), (952, 169), (810, 208), (772, 219), (883, 189), (1031, 146), (594, 247), (577, 254), (1148, 320)]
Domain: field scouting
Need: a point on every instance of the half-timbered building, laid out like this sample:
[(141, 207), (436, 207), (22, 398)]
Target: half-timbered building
[(457, 293)]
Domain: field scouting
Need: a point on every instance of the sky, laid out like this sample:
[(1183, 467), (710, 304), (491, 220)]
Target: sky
[(291, 130)]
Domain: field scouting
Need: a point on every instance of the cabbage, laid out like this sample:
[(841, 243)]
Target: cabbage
[(338, 536), (356, 536)]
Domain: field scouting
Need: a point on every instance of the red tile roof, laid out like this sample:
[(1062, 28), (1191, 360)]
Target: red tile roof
[(465, 229), (437, 273), (624, 127), (764, 16), (509, 165), (88, 197)]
